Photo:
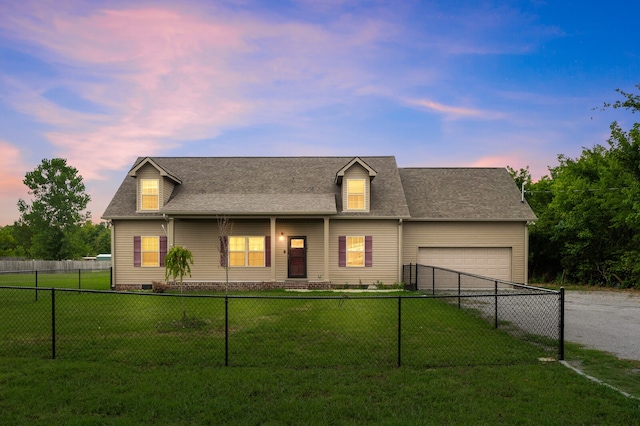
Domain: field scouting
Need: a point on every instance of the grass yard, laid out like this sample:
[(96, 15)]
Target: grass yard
[(148, 329), (132, 359), (85, 279), (44, 392)]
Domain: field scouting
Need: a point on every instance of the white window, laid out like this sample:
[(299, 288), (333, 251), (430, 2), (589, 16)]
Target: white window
[(149, 194), (355, 251), (246, 251), (355, 194)]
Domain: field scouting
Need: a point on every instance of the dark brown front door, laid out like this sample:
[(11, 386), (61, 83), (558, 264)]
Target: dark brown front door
[(297, 257)]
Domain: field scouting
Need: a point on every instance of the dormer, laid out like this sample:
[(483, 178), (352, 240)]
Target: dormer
[(154, 185), (355, 178)]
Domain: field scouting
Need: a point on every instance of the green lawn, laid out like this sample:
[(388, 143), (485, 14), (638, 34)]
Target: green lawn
[(85, 279), (132, 359), (44, 392), (275, 331)]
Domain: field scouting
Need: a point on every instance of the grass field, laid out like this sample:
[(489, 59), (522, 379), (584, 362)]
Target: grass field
[(276, 330), (44, 392), (132, 359), (85, 279)]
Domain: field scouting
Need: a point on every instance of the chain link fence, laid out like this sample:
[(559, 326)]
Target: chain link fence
[(94, 276), (422, 330), (531, 313)]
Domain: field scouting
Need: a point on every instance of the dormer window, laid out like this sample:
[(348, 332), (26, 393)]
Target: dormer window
[(149, 190), (355, 179), (355, 194)]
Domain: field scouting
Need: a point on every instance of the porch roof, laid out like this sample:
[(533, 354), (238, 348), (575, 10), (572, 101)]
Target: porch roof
[(219, 203)]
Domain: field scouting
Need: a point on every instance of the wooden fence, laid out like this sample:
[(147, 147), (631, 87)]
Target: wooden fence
[(52, 265)]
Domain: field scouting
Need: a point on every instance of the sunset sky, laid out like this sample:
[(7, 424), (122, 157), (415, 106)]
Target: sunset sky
[(434, 83)]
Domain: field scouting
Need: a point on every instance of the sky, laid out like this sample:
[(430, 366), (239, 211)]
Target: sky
[(433, 83)]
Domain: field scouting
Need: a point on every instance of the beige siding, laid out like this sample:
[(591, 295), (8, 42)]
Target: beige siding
[(166, 189), (356, 172), (122, 257), (511, 235), (202, 238), (385, 251), (146, 172), (313, 229)]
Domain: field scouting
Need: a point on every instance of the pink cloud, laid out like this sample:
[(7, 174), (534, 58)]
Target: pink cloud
[(169, 75), (12, 171), (456, 112)]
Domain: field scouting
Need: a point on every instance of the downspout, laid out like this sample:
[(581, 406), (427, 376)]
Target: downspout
[(112, 228), (400, 250), (526, 253), (273, 248), (326, 250)]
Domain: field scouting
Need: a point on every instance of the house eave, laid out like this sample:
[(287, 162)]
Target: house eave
[(468, 219)]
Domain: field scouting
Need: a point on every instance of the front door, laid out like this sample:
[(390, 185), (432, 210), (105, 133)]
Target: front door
[(297, 257)]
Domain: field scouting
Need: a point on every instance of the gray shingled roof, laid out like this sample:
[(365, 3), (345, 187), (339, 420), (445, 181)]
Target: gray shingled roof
[(463, 194), (264, 185)]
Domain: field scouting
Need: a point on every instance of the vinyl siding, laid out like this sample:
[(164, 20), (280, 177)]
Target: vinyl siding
[(123, 270), (385, 251), (313, 229), (147, 172), (202, 238), (357, 172), (166, 189), (468, 234)]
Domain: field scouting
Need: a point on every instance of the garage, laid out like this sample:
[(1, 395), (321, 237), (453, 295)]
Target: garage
[(493, 262)]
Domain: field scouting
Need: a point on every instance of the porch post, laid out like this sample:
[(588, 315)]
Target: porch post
[(326, 249), (273, 248), (170, 232)]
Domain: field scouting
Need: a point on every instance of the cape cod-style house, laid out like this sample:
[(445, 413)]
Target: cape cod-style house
[(314, 222)]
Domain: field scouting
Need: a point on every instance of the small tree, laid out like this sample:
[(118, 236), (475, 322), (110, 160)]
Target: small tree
[(177, 265), (224, 229)]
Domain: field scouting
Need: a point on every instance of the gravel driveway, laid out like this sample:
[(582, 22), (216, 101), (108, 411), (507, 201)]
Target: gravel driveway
[(604, 320)]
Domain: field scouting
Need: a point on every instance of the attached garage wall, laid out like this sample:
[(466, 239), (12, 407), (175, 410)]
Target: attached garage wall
[(494, 262), (492, 236)]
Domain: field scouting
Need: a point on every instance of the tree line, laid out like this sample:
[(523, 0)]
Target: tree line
[(55, 224), (588, 209)]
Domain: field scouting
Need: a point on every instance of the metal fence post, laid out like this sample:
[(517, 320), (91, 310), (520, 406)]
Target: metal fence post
[(226, 330), (36, 286), (433, 281), (53, 323), (399, 331), (411, 274), (496, 305), (561, 326), (458, 290), (79, 279), (417, 267)]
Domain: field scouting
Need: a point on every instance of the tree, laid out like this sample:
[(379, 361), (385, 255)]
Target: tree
[(588, 211), (177, 264), (96, 238), (225, 226), (56, 213), (9, 246)]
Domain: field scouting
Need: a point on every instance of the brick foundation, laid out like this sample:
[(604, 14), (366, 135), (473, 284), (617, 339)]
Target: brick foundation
[(233, 286)]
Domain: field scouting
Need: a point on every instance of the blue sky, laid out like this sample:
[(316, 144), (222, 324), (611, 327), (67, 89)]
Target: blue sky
[(434, 83)]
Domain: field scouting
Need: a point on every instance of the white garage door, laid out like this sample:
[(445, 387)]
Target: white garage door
[(493, 262)]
